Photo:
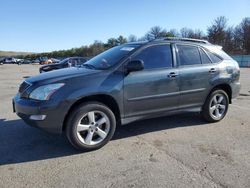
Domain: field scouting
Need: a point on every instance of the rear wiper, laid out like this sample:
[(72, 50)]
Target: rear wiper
[(89, 66)]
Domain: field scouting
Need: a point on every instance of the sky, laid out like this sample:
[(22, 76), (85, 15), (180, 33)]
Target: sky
[(47, 25)]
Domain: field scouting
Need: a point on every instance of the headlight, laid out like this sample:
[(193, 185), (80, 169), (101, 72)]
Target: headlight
[(44, 92)]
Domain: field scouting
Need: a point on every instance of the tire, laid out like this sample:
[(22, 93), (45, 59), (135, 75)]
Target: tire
[(90, 126), (216, 106)]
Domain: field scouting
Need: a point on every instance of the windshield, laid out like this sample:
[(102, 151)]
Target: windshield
[(110, 57)]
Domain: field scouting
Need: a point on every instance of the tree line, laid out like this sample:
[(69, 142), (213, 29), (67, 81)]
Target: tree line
[(233, 39)]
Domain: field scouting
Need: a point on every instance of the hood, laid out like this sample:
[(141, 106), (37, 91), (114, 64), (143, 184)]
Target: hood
[(62, 74)]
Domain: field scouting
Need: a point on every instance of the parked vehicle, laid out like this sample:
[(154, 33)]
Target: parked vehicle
[(2, 59), (24, 61), (10, 60), (68, 62), (54, 60), (127, 83), (43, 60), (19, 61)]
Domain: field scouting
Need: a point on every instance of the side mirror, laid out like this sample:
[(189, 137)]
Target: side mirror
[(135, 65)]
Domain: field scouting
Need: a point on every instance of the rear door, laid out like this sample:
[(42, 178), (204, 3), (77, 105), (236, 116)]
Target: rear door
[(196, 72), (155, 88)]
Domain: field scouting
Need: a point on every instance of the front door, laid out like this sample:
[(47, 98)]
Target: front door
[(154, 89)]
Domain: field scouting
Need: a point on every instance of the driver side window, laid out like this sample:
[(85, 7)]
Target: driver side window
[(157, 56)]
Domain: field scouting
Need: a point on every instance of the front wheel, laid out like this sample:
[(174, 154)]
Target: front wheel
[(216, 106), (90, 126)]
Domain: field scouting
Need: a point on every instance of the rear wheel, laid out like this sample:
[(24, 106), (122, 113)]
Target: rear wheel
[(216, 106), (90, 126)]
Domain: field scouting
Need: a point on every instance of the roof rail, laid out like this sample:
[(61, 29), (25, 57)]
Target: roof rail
[(185, 39)]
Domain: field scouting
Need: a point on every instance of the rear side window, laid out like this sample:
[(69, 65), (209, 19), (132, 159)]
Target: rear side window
[(213, 57), (188, 55), (158, 56), (204, 58)]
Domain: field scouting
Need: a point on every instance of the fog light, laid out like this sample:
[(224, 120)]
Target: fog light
[(37, 117)]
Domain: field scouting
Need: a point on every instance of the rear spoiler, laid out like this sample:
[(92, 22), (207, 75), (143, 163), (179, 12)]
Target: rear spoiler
[(219, 47)]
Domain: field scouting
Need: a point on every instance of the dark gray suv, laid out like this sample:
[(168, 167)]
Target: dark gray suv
[(127, 83)]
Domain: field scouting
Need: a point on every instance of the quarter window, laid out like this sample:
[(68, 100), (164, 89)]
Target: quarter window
[(204, 58), (188, 55), (214, 58), (158, 56)]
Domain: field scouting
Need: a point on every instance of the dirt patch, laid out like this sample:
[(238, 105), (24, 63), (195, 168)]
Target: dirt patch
[(217, 153), (157, 143)]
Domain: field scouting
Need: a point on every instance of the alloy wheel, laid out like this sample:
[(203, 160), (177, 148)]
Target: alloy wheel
[(93, 127), (217, 107)]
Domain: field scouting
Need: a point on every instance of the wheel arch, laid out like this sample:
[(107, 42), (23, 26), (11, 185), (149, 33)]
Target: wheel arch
[(225, 87), (107, 100)]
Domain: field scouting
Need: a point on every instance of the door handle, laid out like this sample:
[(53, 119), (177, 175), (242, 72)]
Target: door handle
[(172, 75), (212, 70)]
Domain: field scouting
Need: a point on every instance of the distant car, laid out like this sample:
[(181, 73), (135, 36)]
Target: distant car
[(68, 62), (43, 60), (10, 60), (2, 59), (55, 60), (25, 61), (19, 61)]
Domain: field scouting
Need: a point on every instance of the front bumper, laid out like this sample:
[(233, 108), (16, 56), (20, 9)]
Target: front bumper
[(54, 113)]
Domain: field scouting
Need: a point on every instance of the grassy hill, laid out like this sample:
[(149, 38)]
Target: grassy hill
[(12, 54)]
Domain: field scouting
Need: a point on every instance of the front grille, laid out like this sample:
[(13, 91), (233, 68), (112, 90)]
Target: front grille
[(23, 86)]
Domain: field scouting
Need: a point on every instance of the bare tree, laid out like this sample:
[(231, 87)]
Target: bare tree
[(229, 45), (245, 32), (238, 40), (173, 33), (190, 33), (121, 40), (185, 32), (155, 33), (217, 32), (241, 37), (132, 38), (112, 42)]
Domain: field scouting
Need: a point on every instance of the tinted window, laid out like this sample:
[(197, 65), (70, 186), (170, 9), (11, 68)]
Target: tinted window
[(188, 55), (204, 58), (214, 58), (159, 56)]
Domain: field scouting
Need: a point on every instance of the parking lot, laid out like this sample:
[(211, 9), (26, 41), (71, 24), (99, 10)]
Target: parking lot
[(175, 151)]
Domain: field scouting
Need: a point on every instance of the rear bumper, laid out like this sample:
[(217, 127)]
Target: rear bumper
[(235, 89), (55, 113)]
